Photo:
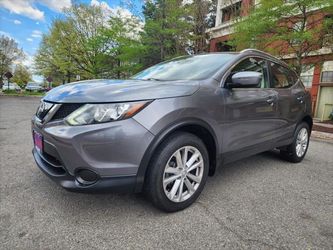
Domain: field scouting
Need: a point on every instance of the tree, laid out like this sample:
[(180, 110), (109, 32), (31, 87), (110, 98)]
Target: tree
[(211, 15), (202, 15), (174, 27), (54, 56), (166, 31), (90, 43), (125, 48), (328, 32), (99, 43), (9, 53), (74, 46), (21, 75), (88, 47), (283, 28)]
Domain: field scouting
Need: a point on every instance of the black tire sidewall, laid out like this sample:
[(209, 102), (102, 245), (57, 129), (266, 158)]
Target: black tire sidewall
[(291, 154), (156, 170)]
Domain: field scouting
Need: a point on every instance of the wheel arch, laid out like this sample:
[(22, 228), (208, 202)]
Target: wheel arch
[(308, 119), (193, 126)]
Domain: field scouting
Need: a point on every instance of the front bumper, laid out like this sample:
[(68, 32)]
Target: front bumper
[(113, 151), (67, 181)]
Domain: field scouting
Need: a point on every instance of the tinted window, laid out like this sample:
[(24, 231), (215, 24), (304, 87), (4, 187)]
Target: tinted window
[(282, 77), (252, 64), (186, 68)]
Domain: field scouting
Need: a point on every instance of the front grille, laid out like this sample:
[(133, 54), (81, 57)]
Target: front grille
[(43, 109), (65, 109)]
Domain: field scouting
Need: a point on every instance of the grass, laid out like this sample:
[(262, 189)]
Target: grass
[(22, 93)]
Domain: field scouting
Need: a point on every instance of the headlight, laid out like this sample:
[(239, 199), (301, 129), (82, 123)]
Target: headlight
[(100, 113)]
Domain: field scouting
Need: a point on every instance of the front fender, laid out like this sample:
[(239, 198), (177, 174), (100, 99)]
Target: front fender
[(160, 137)]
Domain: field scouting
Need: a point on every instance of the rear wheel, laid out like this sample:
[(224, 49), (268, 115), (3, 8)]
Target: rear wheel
[(295, 152), (178, 172)]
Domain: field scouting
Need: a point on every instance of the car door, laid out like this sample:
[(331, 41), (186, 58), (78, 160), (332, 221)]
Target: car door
[(291, 94), (250, 113)]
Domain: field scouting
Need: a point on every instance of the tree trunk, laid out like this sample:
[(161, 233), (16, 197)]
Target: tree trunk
[(68, 77), (118, 69), (163, 27)]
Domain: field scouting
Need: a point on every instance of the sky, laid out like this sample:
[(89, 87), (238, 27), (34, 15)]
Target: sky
[(27, 20)]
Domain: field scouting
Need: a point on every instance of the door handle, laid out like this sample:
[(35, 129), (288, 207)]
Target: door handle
[(270, 100), (300, 99)]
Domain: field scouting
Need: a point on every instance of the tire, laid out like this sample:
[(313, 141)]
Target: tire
[(164, 166), (292, 153)]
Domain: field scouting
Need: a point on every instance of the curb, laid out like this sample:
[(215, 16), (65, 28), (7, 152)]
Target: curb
[(328, 137)]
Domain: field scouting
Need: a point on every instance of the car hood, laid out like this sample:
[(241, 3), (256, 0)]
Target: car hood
[(99, 91)]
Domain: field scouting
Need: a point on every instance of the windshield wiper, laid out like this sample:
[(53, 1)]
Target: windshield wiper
[(152, 79)]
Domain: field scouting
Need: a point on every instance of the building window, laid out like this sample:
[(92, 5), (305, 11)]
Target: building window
[(327, 72), (327, 76), (307, 76), (231, 12)]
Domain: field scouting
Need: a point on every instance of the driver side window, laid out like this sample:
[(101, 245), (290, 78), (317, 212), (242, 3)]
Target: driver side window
[(252, 64)]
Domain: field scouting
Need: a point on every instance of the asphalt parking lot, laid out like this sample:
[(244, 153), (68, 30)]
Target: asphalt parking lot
[(258, 203)]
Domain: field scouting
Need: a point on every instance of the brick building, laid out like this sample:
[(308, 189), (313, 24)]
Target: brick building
[(317, 75)]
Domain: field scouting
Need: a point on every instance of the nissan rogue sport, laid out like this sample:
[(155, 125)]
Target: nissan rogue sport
[(166, 129)]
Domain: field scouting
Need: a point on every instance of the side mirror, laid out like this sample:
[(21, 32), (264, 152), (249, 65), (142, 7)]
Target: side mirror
[(245, 79)]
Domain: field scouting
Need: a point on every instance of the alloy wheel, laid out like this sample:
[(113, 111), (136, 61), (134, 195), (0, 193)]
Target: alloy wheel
[(183, 174), (302, 142)]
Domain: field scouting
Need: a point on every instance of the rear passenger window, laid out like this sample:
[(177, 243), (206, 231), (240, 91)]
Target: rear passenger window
[(282, 77)]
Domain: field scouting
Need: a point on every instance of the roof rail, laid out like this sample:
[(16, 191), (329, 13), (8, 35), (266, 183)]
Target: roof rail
[(255, 50), (262, 52)]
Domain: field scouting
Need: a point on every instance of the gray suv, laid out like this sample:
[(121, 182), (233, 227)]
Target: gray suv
[(170, 126)]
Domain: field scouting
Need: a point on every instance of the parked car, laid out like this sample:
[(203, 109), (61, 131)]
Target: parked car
[(33, 86), (11, 86), (169, 127)]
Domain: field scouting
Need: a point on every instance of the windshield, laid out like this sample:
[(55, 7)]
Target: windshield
[(186, 68)]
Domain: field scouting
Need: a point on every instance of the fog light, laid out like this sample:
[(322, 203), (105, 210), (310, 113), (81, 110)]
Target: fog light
[(86, 176)]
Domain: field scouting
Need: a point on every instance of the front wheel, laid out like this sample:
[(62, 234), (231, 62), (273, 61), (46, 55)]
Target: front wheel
[(295, 152), (178, 172)]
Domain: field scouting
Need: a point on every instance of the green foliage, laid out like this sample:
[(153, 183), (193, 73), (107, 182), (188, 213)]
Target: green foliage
[(10, 92), (125, 46), (52, 57), (9, 52), (166, 30), (202, 16), (21, 75), (73, 46), (331, 115), (282, 28), (94, 44), (22, 93)]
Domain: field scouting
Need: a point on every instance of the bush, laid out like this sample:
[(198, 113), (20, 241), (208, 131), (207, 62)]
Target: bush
[(22, 93), (10, 91), (331, 115)]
